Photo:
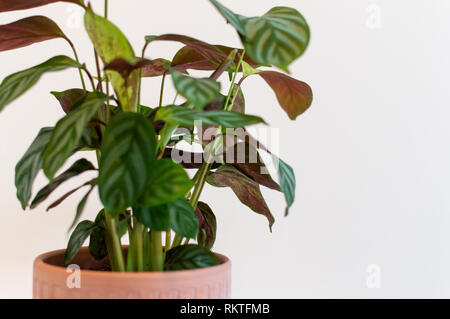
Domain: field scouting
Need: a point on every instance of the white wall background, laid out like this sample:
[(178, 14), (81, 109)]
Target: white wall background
[(371, 156)]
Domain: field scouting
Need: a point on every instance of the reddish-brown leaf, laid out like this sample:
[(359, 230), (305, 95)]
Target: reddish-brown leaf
[(294, 96), (207, 225), (158, 67), (11, 5), (28, 31), (246, 158), (189, 58), (208, 51), (246, 189), (125, 67), (68, 98)]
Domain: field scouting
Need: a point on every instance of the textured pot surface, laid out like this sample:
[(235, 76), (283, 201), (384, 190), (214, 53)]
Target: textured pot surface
[(51, 280)]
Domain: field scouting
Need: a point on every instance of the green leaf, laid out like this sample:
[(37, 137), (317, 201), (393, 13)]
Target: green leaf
[(234, 19), (82, 205), (68, 194), (128, 151), (183, 220), (78, 237), (277, 38), (247, 69), (207, 225), (97, 243), (156, 218), (27, 31), (199, 92), (246, 189), (79, 167), (189, 257), (287, 181), (167, 181), (110, 44), (11, 5), (29, 165), (183, 116), (18, 83), (68, 98), (68, 131)]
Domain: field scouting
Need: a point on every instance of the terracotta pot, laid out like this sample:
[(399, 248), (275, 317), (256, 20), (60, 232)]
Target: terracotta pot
[(50, 280)]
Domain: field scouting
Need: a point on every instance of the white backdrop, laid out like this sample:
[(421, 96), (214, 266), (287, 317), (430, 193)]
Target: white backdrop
[(371, 156)]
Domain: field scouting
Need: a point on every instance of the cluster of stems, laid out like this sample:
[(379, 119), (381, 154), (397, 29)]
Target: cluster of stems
[(146, 251)]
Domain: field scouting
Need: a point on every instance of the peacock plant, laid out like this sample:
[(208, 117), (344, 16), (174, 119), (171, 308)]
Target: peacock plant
[(144, 188)]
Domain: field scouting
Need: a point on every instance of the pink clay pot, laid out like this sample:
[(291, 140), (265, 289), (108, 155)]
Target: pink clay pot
[(50, 280)]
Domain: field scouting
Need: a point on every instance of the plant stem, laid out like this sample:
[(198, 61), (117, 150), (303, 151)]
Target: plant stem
[(138, 233), (157, 251), (162, 89), (176, 241), (116, 253), (168, 240), (99, 73), (106, 9), (78, 61)]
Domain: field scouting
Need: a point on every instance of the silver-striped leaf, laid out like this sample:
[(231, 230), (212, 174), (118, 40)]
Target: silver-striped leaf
[(167, 181), (287, 181), (277, 38), (182, 218), (29, 165), (199, 92), (128, 151), (68, 131), (18, 83), (186, 117)]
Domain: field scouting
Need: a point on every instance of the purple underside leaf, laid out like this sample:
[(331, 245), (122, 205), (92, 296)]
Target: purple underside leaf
[(207, 50), (12, 5), (67, 99), (294, 96), (27, 31), (189, 58), (207, 225), (246, 189), (246, 158)]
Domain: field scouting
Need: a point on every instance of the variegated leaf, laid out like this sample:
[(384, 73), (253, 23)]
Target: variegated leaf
[(186, 117), (29, 165), (110, 43), (18, 83), (199, 92), (128, 151), (68, 131), (277, 38), (167, 181)]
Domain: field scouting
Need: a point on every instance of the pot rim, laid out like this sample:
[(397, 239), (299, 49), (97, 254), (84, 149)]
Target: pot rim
[(40, 263)]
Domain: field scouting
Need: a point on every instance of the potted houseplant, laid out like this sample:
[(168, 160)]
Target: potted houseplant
[(142, 178)]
